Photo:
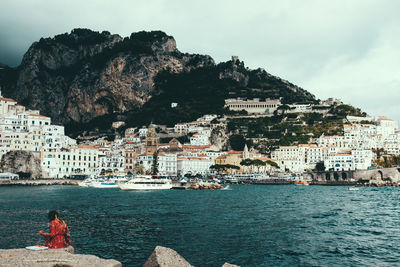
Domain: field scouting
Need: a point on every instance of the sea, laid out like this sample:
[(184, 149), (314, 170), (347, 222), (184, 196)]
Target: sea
[(247, 225)]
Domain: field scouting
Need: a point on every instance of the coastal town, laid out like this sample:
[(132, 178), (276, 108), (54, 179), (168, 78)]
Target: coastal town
[(138, 149)]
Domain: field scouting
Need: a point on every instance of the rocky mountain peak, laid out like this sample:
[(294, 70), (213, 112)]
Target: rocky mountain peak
[(78, 76)]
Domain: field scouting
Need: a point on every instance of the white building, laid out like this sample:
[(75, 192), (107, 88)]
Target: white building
[(194, 165), (199, 140), (167, 164), (181, 128), (76, 160), (253, 106)]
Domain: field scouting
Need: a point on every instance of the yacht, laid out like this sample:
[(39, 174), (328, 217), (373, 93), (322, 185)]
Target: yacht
[(146, 182), (85, 183)]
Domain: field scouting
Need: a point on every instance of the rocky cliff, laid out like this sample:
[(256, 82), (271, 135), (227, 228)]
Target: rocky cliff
[(85, 74), (21, 162), (86, 80)]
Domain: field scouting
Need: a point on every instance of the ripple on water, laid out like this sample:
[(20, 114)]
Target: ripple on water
[(247, 225)]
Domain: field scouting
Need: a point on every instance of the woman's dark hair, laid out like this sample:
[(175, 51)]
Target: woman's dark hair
[(52, 215)]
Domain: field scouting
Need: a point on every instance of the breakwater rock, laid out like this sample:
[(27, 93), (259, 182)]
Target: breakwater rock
[(51, 258), (163, 256), (205, 186), (166, 257)]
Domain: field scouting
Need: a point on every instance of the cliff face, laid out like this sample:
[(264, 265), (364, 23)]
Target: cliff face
[(82, 75), (21, 162), (86, 80)]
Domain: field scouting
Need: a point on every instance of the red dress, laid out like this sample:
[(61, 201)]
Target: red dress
[(58, 236)]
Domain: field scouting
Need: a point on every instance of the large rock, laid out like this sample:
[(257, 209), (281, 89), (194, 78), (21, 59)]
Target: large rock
[(24, 162), (78, 76), (166, 257), (51, 258), (229, 265)]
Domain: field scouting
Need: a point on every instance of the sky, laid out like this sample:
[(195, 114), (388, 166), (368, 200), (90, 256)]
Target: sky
[(348, 49)]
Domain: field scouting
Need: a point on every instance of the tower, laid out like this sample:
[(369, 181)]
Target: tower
[(246, 152), (151, 141)]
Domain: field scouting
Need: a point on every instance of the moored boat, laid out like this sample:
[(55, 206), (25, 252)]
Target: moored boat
[(302, 182), (146, 182), (103, 184)]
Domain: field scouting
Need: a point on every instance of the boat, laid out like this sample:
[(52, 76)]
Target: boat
[(103, 184), (86, 182), (146, 182), (353, 188), (302, 182)]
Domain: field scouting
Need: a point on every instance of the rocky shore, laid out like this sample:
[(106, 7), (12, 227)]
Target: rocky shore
[(65, 257), (198, 186), (38, 182), (205, 186), (51, 258)]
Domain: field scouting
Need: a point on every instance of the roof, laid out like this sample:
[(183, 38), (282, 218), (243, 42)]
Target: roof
[(7, 99), (194, 147), (235, 152), (37, 115), (384, 119), (86, 146)]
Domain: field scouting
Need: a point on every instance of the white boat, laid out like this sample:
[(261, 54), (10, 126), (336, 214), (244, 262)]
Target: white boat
[(146, 182), (86, 183), (353, 188), (103, 184)]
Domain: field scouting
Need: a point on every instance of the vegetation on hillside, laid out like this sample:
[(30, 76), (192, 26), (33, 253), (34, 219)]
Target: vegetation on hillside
[(283, 130)]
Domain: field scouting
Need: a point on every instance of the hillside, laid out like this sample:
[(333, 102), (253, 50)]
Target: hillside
[(77, 77), (86, 80), (82, 75)]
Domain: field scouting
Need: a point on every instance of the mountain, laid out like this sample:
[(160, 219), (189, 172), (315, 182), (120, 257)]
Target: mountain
[(87, 79), (85, 74)]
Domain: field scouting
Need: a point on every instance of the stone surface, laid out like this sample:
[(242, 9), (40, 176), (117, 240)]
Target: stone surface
[(166, 257), (229, 265), (205, 186), (21, 161), (51, 258)]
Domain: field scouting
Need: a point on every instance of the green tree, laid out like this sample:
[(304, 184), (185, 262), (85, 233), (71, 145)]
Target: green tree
[(139, 169), (272, 163), (258, 163), (154, 167), (320, 166), (246, 162), (237, 142)]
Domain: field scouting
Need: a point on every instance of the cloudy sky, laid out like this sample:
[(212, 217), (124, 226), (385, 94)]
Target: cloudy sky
[(345, 48)]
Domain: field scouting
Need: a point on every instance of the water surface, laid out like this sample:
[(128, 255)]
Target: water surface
[(248, 225)]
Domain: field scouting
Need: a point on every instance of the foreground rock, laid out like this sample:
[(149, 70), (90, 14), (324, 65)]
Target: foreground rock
[(51, 258), (24, 162), (165, 257)]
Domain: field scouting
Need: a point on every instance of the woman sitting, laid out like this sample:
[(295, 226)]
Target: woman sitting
[(59, 234)]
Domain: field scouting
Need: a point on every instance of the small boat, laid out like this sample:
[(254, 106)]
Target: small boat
[(353, 188), (86, 183), (302, 182), (146, 182)]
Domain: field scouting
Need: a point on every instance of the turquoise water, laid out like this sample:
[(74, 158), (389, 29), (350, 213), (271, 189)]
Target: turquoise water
[(248, 225)]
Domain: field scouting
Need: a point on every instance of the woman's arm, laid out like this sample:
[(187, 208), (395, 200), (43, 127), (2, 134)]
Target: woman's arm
[(52, 231)]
